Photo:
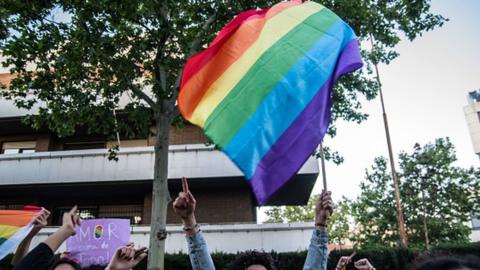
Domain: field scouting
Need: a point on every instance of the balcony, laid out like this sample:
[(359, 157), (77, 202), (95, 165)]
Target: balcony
[(203, 165)]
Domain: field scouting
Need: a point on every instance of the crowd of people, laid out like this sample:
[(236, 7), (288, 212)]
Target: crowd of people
[(129, 256)]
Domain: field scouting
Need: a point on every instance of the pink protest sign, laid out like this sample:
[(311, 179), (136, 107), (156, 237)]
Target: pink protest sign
[(97, 239)]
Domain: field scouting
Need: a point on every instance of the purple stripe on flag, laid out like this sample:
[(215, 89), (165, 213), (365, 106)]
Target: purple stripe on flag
[(297, 143)]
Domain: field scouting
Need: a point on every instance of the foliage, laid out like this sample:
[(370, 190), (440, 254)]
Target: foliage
[(432, 189), (78, 59), (338, 225), (301, 213)]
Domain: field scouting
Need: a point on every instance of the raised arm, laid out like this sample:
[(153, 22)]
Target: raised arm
[(184, 206), (318, 249), (41, 255), (39, 222), (127, 257)]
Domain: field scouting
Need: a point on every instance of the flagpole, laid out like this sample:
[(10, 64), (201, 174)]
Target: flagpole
[(400, 219), (324, 174)]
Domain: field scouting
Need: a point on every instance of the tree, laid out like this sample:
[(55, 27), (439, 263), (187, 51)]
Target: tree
[(338, 226), (301, 213), (76, 59), (374, 209), (438, 197)]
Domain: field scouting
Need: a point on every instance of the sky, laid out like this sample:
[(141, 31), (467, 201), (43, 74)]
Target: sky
[(425, 90)]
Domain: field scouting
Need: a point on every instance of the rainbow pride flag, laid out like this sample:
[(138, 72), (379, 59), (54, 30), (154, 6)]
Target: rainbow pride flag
[(262, 90), (15, 225)]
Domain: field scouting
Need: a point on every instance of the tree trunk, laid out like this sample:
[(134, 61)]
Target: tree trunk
[(160, 195), (425, 227)]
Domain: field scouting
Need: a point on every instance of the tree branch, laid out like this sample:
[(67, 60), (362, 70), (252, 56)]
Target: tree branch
[(198, 38), (140, 94), (195, 45)]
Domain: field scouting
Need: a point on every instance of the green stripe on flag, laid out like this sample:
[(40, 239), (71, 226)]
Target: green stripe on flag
[(228, 118)]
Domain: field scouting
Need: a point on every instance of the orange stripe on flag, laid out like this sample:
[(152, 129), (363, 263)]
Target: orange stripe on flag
[(16, 217), (192, 92)]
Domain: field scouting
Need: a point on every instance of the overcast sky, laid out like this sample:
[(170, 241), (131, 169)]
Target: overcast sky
[(425, 91)]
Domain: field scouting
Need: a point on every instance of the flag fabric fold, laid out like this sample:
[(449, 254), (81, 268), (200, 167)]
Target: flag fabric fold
[(15, 225), (262, 90)]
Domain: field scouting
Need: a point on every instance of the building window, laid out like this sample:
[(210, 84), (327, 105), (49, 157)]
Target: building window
[(83, 145), (18, 147), (133, 212), (84, 212)]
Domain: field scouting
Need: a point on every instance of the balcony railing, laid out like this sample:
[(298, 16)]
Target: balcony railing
[(136, 163), (228, 238)]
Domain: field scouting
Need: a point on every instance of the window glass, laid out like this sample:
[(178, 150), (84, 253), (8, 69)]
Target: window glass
[(18, 147)]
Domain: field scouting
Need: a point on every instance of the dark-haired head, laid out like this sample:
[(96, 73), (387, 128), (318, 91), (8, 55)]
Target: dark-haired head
[(446, 262), (65, 264), (252, 260), (94, 267)]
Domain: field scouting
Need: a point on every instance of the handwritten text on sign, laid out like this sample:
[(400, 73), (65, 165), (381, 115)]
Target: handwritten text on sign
[(97, 239)]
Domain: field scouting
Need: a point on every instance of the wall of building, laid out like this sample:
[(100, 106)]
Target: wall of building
[(472, 116), (214, 205), (48, 142), (229, 238)]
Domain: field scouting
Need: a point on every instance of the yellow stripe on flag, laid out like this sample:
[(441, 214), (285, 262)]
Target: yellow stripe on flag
[(6, 231), (274, 30)]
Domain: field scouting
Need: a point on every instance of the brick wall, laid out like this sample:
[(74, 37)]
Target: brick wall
[(6, 78), (213, 206), (47, 142), (187, 135)]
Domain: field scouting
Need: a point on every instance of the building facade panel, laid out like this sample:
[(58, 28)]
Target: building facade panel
[(472, 117), (229, 238)]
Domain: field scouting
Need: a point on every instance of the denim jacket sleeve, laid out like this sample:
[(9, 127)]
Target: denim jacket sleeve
[(317, 251), (198, 253)]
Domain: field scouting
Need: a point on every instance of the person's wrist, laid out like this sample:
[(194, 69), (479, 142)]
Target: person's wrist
[(66, 231), (190, 226), (189, 221), (110, 267), (320, 222), (32, 233)]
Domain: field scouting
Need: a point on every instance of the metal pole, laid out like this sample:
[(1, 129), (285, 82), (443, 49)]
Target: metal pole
[(324, 175), (400, 219)]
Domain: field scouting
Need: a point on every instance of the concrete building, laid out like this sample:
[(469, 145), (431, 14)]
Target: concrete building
[(39, 168), (472, 115)]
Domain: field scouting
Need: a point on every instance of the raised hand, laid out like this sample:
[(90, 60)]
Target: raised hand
[(40, 221), (126, 258), (344, 261), (69, 224), (70, 221), (363, 264), (184, 205), (323, 209)]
